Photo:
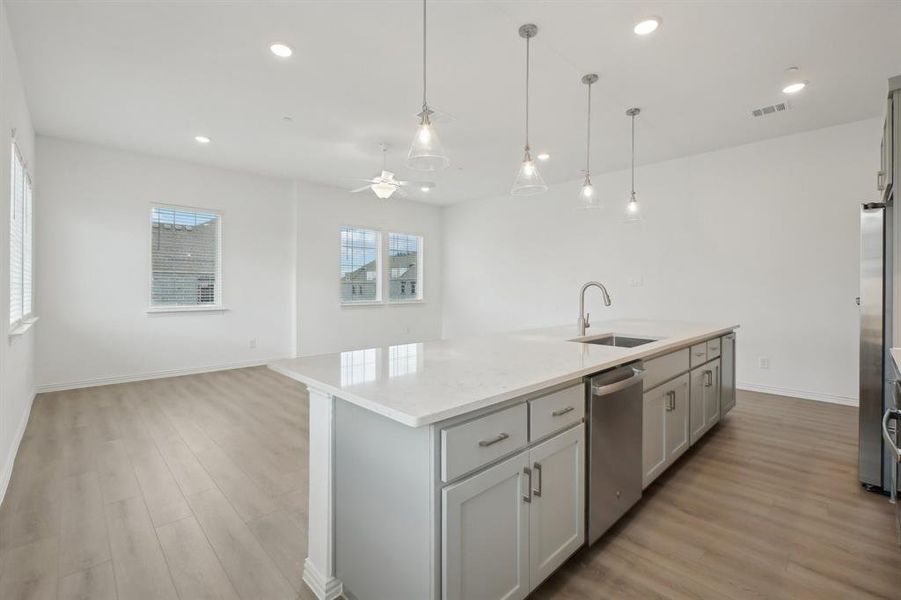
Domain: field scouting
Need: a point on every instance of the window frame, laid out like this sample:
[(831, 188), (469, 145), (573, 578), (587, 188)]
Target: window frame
[(420, 253), (383, 273), (26, 319), (218, 305), (379, 263)]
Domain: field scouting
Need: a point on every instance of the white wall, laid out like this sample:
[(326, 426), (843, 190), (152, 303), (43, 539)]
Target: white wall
[(93, 242), (765, 235), (323, 324), (16, 353)]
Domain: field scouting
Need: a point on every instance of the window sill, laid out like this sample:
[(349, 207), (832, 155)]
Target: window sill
[(184, 309), (402, 302), (22, 327), (362, 303)]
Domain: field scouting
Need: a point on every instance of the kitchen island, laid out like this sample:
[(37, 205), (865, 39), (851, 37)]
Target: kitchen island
[(420, 453)]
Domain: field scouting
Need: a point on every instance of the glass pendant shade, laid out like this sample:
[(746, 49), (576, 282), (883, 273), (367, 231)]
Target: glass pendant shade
[(528, 180), (633, 210), (588, 196), (426, 152)]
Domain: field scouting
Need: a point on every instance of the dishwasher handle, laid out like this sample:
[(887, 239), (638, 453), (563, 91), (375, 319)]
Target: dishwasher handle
[(602, 390)]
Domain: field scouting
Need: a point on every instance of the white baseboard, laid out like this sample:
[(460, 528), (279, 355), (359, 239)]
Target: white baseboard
[(97, 381), (793, 393), (7, 472)]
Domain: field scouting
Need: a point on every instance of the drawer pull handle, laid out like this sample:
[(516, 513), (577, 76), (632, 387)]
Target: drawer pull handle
[(500, 438), (528, 473), (562, 411)]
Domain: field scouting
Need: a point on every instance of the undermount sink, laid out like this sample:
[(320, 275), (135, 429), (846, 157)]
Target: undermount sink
[(620, 341)]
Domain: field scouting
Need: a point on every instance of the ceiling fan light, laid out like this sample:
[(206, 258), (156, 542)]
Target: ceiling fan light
[(383, 190), (426, 151)]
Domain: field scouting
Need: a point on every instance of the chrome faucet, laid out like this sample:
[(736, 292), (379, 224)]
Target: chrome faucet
[(583, 316)]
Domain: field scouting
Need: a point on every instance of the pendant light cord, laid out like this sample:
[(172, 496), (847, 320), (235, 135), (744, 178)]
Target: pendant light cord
[(588, 143), (424, 22), (528, 39), (633, 157)]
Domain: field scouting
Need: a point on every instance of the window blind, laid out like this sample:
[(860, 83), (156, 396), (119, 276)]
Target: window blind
[(404, 275), (185, 256), (359, 265), (20, 240)]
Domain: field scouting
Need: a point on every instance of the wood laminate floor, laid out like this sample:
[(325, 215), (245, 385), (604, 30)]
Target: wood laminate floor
[(195, 487)]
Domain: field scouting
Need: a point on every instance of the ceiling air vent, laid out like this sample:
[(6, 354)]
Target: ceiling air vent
[(772, 109)]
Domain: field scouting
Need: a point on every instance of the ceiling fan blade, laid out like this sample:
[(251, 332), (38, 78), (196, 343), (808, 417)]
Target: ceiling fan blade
[(360, 189)]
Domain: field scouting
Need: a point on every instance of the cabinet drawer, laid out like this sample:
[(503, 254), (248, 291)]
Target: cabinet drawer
[(470, 445), (663, 368), (713, 348), (698, 354), (556, 411)]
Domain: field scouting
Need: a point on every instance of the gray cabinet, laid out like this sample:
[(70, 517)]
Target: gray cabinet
[(727, 374), (557, 511), (485, 533), (665, 428), (505, 529), (705, 399)]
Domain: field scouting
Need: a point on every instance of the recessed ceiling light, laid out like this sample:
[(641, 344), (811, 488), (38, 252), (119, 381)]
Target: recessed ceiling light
[(427, 187), (543, 156), (793, 81), (202, 139), (281, 50), (646, 26)]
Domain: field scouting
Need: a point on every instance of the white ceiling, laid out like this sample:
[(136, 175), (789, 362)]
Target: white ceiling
[(149, 76)]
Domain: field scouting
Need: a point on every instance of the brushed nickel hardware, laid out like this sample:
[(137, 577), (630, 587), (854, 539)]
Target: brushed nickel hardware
[(709, 375), (537, 469), (583, 317), (562, 411), (528, 497), (671, 400), (499, 438)]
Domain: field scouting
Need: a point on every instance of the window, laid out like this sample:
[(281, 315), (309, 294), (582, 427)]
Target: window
[(360, 265), (404, 256), (20, 241), (185, 258)]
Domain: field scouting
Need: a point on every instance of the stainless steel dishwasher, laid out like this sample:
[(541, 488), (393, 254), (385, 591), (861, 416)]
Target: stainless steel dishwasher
[(614, 445)]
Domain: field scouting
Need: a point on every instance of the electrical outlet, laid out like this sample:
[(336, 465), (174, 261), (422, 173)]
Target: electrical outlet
[(253, 343), (763, 362), (636, 281)]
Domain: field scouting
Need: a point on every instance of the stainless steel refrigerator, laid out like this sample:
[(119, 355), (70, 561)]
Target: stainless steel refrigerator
[(877, 373)]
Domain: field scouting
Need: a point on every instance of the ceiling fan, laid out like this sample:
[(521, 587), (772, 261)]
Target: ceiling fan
[(386, 185)]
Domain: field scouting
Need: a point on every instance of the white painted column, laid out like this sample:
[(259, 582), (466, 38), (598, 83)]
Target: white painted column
[(319, 567)]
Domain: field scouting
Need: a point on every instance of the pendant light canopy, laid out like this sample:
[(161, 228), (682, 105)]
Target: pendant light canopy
[(633, 209), (588, 197), (426, 151), (528, 179)]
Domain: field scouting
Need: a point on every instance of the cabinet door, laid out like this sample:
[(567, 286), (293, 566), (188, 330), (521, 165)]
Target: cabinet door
[(727, 375), (698, 385), (485, 533), (653, 434), (557, 513), (676, 426), (712, 394)]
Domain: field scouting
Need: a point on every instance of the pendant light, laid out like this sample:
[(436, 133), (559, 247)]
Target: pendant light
[(633, 210), (426, 151), (528, 179), (588, 197)]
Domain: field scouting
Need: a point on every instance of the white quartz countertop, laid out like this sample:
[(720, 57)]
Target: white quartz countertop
[(422, 383)]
